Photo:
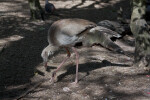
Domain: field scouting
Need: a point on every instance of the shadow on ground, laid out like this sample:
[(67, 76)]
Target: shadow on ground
[(21, 56)]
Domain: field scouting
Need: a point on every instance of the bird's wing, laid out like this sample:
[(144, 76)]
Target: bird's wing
[(102, 30)]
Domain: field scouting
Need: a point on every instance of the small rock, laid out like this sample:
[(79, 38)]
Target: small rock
[(119, 83), (66, 89), (106, 85)]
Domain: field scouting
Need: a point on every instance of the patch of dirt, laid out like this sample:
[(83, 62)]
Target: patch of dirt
[(103, 74)]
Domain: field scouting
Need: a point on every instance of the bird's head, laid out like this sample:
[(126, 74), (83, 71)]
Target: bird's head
[(45, 56), (46, 53)]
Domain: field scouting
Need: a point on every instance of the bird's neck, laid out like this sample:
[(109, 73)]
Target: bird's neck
[(46, 2)]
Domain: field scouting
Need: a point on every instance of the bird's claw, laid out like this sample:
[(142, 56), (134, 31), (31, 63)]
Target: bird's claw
[(74, 84), (53, 76)]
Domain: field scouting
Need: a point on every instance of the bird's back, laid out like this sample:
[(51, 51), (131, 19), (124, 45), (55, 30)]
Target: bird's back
[(65, 32)]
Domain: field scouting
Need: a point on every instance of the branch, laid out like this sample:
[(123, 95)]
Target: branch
[(31, 89)]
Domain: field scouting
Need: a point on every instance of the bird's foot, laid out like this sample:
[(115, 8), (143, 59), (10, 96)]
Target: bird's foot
[(53, 79), (74, 84)]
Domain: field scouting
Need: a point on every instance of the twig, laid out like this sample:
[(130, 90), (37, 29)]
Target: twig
[(30, 89)]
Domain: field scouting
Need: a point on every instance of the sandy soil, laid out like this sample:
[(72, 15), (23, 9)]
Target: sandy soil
[(103, 74)]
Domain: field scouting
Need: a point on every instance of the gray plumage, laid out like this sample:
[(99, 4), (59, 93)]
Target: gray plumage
[(67, 33)]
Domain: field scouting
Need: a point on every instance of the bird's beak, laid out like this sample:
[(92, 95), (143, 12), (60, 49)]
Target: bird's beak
[(45, 65)]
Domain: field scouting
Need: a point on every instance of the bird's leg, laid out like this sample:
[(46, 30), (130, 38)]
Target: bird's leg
[(77, 64), (68, 56)]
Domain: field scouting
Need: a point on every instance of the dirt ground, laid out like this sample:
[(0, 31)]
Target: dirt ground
[(103, 74)]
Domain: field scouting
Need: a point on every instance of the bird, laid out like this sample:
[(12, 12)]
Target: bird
[(49, 7), (66, 33), (116, 26)]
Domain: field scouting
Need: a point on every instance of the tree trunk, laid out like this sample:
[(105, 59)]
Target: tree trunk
[(36, 9), (139, 28)]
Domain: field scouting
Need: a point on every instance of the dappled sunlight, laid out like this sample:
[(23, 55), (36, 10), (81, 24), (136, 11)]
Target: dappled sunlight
[(69, 4), (20, 8), (103, 74), (10, 39), (68, 8)]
